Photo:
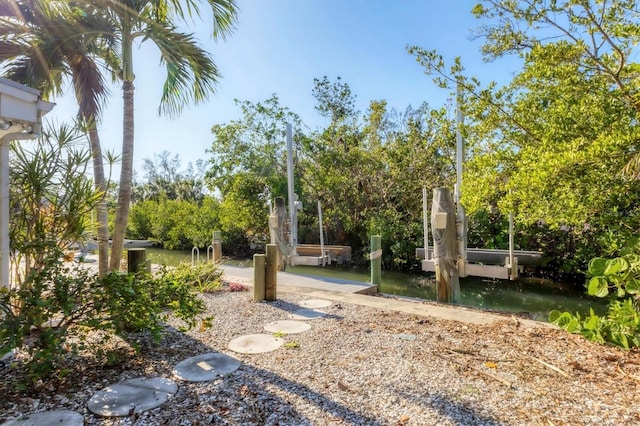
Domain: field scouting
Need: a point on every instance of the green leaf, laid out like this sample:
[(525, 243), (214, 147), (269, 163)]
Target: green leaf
[(615, 266), (597, 266), (598, 286), (554, 315), (564, 320), (592, 322), (633, 286)]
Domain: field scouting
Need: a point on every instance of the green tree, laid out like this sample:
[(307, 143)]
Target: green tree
[(248, 166), (191, 73), (52, 198), (550, 145), (164, 179), (42, 42)]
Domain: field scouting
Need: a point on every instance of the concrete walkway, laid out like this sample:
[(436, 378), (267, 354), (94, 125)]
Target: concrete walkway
[(361, 294)]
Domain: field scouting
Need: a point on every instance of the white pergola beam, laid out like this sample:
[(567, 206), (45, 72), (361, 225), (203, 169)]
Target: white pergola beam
[(21, 109)]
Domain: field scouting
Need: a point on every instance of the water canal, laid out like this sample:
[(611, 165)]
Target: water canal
[(534, 296)]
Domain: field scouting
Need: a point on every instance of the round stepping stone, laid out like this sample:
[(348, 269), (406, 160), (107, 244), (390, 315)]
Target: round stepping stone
[(60, 417), (315, 303), (307, 314), (9, 355), (205, 367), (131, 396), (255, 343), (287, 327)]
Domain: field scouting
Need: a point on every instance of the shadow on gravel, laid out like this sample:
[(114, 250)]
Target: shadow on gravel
[(250, 395), (245, 396), (446, 407), (333, 411)]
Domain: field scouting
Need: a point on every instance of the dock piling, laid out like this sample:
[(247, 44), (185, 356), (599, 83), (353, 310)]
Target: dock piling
[(259, 261), (376, 260), (271, 272)]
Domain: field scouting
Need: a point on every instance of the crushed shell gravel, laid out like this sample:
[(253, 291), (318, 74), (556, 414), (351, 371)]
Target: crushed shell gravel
[(352, 368)]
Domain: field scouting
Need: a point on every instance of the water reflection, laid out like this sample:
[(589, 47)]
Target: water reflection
[(535, 297)]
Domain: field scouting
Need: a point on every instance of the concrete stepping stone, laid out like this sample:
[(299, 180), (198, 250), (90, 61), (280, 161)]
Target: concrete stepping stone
[(255, 343), (132, 396), (287, 327), (9, 355), (307, 314), (48, 418), (315, 303), (205, 367)]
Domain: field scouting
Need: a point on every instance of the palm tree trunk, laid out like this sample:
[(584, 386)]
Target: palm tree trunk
[(101, 186), (126, 177)]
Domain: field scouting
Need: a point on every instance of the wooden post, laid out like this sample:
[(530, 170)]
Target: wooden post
[(376, 260), (443, 228), (258, 277), (217, 246), (271, 274), (273, 229), (136, 259)]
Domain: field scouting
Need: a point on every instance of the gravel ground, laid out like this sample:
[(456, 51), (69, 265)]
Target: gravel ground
[(363, 366)]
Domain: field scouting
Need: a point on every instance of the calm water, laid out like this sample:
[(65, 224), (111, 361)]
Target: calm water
[(537, 297)]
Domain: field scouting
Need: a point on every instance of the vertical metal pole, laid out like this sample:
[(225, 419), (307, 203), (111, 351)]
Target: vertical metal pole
[(512, 264), (321, 233), (425, 223), (4, 214), (293, 239), (461, 219), (459, 144)]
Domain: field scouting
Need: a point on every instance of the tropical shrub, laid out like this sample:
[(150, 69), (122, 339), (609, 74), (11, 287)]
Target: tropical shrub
[(619, 279), (52, 312), (203, 277), (50, 307)]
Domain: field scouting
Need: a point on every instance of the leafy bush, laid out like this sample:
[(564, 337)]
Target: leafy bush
[(619, 279), (58, 302), (203, 277), (175, 224)]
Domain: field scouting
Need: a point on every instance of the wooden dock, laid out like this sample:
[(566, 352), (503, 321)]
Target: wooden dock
[(334, 254)]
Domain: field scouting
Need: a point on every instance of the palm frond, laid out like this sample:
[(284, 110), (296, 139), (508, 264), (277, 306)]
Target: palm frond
[(191, 72)]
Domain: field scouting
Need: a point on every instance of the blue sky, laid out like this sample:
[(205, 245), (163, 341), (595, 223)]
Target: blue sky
[(280, 46)]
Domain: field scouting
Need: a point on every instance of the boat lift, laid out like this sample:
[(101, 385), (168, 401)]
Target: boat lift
[(283, 227), (449, 218)]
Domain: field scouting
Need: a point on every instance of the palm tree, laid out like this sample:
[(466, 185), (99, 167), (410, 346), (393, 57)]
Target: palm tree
[(44, 42), (191, 73)]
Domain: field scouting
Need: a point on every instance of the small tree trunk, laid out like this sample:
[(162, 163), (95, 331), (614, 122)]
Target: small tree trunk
[(102, 236), (126, 176)]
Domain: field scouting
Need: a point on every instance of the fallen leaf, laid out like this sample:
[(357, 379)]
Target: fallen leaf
[(404, 419)]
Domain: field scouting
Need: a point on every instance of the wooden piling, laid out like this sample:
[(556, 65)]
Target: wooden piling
[(259, 277), (136, 259), (443, 228), (376, 260), (217, 246), (271, 274)]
